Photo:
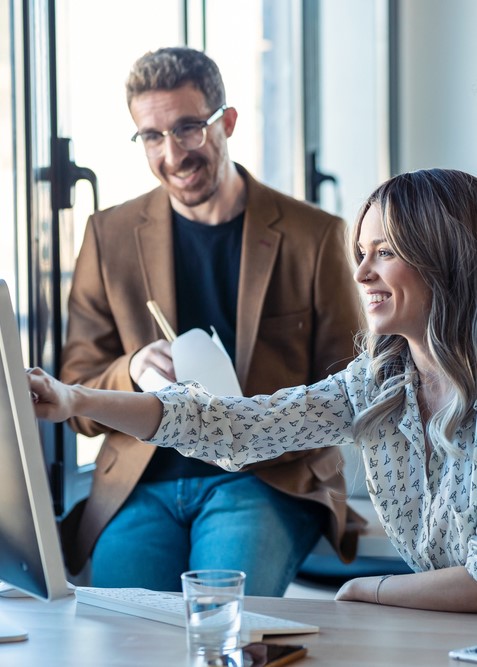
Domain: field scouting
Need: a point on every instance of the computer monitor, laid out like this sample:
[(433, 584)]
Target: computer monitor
[(30, 552)]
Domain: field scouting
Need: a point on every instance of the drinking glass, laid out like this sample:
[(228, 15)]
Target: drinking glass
[(213, 603)]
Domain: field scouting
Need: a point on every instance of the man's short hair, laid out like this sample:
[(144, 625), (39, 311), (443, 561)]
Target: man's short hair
[(173, 67)]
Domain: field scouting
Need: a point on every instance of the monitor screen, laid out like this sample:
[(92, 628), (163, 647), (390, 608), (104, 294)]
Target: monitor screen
[(30, 552)]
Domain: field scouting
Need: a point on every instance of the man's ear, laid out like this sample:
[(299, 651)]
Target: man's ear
[(229, 120)]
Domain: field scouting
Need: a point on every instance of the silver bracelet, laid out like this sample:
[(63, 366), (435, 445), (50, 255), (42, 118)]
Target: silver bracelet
[(376, 595)]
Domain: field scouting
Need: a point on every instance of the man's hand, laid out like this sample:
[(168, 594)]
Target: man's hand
[(156, 355)]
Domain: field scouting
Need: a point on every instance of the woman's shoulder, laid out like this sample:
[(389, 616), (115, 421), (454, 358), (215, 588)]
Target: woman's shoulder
[(359, 366), (358, 383), (355, 378)]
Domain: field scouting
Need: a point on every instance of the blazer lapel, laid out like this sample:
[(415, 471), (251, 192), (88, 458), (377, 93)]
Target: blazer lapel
[(154, 240), (260, 246), (259, 252)]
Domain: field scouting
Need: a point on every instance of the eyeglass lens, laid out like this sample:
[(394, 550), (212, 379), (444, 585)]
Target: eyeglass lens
[(189, 136)]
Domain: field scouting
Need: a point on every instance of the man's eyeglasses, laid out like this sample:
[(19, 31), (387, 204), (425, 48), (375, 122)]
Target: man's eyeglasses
[(189, 136)]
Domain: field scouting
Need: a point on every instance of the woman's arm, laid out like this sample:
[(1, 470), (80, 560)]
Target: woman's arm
[(136, 414), (230, 431), (448, 589)]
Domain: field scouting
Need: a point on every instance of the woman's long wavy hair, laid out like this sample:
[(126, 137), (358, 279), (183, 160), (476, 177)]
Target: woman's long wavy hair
[(430, 221)]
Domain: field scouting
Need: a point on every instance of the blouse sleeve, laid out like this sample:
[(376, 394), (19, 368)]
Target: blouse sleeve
[(235, 431)]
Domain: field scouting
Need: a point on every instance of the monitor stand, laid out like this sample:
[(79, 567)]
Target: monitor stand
[(7, 591), (11, 633)]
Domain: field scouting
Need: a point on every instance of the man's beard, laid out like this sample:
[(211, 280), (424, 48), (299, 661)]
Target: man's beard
[(192, 197)]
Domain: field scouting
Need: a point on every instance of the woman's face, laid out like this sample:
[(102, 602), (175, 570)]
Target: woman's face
[(398, 300)]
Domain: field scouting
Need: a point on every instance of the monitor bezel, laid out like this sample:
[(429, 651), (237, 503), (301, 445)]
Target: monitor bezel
[(33, 470)]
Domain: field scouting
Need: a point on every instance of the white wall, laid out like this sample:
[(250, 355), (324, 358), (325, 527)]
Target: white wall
[(352, 94), (436, 91), (438, 84)]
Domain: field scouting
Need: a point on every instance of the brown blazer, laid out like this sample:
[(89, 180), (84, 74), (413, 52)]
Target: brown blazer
[(297, 312)]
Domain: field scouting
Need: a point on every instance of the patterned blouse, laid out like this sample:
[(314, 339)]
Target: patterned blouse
[(430, 518)]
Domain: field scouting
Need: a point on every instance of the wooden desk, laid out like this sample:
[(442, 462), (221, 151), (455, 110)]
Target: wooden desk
[(352, 634)]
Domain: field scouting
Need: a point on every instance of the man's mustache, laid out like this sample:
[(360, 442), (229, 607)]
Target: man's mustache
[(189, 162)]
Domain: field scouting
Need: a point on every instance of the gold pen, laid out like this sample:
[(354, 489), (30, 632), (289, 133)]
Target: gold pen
[(164, 325)]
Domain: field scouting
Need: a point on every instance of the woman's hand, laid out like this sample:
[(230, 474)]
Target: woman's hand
[(135, 413), (362, 589), (447, 589), (52, 399)]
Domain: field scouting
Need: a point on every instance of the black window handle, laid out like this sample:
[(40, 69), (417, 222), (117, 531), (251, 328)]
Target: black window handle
[(315, 179), (67, 174)]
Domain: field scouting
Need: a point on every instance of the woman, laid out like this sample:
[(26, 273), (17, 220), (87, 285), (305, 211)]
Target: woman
[(408, 400)]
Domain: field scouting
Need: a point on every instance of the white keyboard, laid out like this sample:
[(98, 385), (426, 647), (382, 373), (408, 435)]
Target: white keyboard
[(169, 608)]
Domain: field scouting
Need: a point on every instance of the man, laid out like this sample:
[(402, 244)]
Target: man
[(211, 246)]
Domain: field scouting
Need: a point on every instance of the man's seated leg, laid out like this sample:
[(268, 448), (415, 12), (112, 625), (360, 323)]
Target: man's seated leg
[(245, 524), (145, 545)]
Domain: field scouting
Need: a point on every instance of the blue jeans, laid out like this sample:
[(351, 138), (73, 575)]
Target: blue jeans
[(231, 521)]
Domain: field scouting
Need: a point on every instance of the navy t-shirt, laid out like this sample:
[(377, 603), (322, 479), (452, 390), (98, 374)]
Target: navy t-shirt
[(207, 267)]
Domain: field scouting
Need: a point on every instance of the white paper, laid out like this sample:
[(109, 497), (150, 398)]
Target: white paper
[(217, 341), (152, 380), (197, 357)]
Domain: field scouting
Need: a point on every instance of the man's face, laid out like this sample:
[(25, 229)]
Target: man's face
[(190, 177)]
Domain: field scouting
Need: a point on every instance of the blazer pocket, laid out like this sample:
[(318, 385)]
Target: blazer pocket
[(299, 322), (282, 352)]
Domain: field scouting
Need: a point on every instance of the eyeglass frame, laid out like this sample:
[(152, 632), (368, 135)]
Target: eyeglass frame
[(202, 124)]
